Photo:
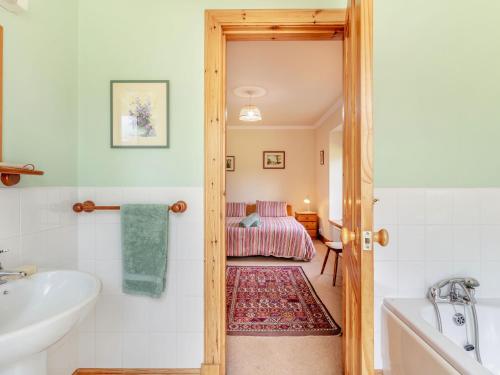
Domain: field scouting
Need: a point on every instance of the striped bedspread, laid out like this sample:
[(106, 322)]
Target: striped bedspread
[(277, 236)]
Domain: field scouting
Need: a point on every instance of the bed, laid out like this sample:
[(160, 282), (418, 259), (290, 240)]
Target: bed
[(282, 237)]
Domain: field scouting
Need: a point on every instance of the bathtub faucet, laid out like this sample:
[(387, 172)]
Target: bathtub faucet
[(460, 290)]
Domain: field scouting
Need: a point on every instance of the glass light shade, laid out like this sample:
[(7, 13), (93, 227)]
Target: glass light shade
[(250, 113), (308, 202)]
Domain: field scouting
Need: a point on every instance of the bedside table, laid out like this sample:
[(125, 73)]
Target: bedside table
[(310, 221)]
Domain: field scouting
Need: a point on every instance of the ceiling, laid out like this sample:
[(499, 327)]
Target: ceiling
[(303, 80)]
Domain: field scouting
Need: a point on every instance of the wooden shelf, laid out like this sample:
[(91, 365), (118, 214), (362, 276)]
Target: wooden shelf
[(11, 176)]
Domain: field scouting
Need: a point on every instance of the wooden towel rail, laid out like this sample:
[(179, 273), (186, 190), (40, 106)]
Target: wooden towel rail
[(89, 206)]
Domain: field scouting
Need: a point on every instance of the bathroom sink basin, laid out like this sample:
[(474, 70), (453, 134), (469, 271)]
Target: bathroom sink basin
[(36, 312)]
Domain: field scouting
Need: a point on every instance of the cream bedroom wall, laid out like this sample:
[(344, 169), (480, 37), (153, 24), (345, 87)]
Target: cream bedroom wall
[(322, 142), (250, 181)]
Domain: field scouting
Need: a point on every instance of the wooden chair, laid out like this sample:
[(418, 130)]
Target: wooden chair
[(336, 247)]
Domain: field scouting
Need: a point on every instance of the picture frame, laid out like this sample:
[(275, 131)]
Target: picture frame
[(273, 159), (322, 157), (139, 111), (230, 163)]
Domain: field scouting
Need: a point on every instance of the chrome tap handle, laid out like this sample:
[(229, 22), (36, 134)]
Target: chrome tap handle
[(2, 251), (471, 283)]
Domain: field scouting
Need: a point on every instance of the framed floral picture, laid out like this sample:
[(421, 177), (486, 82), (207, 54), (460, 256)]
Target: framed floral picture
[(230, 163), (139, 114), (273, 160)]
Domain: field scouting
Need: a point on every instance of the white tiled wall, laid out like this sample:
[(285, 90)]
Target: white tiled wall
[(434, 234), (133, 331), (37, 226)]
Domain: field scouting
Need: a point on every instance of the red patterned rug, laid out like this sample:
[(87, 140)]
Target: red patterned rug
[(274, 301)]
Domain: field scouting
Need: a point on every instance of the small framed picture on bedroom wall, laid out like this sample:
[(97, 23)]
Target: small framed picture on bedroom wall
[(230, 160), (273, 160)]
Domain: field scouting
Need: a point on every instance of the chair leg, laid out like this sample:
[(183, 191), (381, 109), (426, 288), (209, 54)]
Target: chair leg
[(335, 265), (326, 259)]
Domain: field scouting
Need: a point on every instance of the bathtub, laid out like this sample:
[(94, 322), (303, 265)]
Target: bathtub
[(412, 345)]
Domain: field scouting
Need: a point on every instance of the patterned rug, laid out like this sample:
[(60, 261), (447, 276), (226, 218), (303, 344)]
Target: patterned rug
[(274, 301)]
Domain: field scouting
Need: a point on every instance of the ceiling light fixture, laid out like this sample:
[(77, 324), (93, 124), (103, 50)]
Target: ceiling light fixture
[(250, 112)]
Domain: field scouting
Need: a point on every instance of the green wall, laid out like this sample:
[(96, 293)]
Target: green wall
[(437, 93), (153, 39), (40, 90), (436, 82)]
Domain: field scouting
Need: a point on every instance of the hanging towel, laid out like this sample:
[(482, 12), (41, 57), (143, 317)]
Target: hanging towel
[(252, 220), (144, 246)]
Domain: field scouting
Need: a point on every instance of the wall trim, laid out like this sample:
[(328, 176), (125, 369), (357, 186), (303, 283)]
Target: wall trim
[(339, 128), (270, 127), (126, 371), (339, 102), (210, 369), (320, 122)]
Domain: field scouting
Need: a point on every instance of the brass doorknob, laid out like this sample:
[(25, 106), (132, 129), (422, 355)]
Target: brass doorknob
[(347, 236), (381, 237)]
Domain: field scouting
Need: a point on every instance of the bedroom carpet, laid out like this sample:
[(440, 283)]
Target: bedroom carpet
[(291, 355), (274, 301)]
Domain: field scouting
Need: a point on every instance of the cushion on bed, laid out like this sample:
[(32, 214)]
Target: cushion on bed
[(252, 220), (236, 209), (271, 209)]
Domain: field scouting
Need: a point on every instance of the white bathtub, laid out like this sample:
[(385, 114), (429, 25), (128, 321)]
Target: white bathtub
[(412, 345)]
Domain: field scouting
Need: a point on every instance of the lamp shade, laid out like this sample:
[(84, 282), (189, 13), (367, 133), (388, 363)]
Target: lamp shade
[(250, 113)]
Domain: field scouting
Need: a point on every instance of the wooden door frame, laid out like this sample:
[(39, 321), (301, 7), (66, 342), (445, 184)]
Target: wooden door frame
[(357, 232), (221, 26)]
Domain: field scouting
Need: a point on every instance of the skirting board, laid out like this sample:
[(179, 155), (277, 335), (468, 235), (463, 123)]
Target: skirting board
[(124, 371), (97, 371)]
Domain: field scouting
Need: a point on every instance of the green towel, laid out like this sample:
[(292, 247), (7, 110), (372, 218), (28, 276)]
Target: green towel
[(144, 247), (252, 220)]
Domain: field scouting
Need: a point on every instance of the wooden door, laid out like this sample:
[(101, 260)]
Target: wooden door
[(357, 236)]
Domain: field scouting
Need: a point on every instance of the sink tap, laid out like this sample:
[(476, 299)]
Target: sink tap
[(9, 274)]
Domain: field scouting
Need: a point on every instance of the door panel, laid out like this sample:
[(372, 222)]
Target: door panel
[(358, 190)]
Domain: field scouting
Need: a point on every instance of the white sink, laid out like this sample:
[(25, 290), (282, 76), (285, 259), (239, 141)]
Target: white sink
[(38, 311)]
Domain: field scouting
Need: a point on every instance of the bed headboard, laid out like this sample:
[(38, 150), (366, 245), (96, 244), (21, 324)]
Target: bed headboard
[(251, 208)]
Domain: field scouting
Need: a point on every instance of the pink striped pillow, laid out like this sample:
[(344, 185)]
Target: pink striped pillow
[(236, 209), (271, 209)]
